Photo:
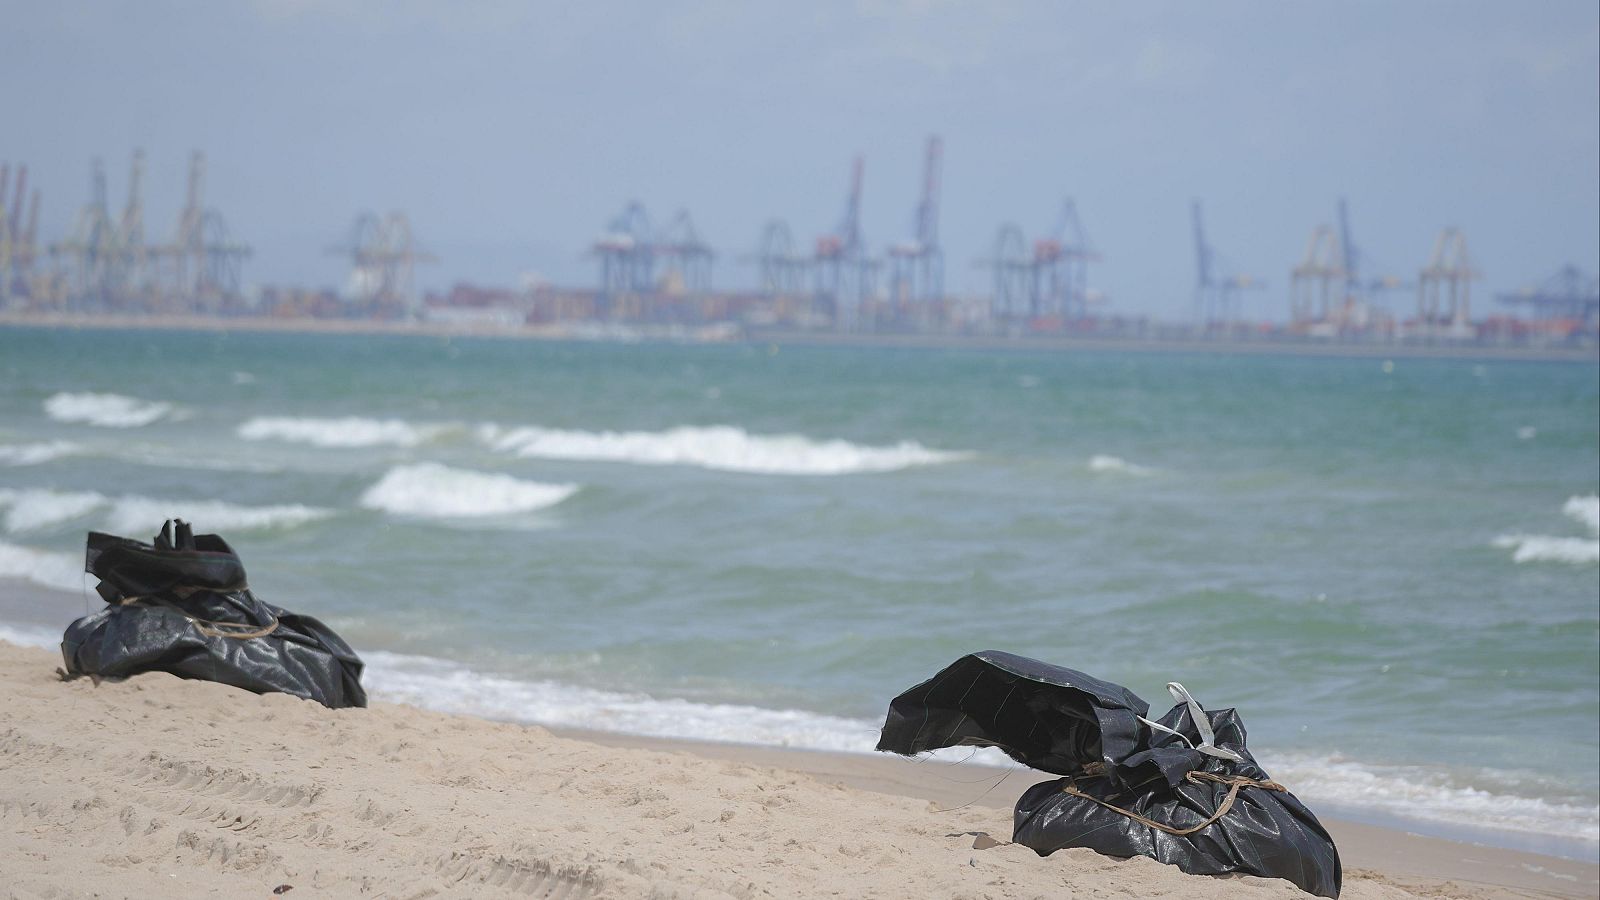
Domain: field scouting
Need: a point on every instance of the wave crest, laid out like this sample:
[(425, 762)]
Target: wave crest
[(1415, 792), (1547, 548), (143, 514), (1585, 510), (28, 510), (431, 490), (720, 447), (34, 454), (1105, 463), (451, 687), (105, 410), (46, 569), (342, 433)]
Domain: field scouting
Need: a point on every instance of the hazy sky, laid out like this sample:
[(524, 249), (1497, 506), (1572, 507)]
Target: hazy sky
[(511, 132)]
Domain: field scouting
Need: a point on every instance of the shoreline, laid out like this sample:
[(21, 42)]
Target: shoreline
[(584, 333), (22, 602), (122, 785), (21, 622)]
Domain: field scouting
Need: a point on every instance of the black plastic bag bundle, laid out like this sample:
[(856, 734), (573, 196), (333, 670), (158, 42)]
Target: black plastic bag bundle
[(1182, 789), (182, 605)]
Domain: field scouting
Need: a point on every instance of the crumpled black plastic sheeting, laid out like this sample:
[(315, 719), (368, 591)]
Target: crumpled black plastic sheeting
[(1063, 721), (153, 591)]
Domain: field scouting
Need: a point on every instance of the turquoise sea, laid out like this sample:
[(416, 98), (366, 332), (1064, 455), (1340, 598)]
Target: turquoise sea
[(1390, 567)]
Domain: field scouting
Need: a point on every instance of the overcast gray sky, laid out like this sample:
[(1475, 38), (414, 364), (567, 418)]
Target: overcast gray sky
[(511, 132)]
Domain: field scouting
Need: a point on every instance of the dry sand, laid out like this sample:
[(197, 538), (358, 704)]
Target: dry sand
[(158, 787)]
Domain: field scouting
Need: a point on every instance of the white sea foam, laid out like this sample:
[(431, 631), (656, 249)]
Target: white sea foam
[(1414, 792), (434, 491), (27, 510), (34, 454), (42, 567), (105, 410), (1410, 792), (1550, 548), (721, 447), (346, 432), (141, 515), (1545, 548), (1585, 510), (1118, 465), (451, 687), (30, 636)]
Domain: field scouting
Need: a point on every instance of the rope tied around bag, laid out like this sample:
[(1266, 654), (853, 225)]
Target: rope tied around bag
[(239, 631), (1234, 783)]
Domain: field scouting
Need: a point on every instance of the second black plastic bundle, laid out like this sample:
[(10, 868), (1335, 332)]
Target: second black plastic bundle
[(1129, 789)]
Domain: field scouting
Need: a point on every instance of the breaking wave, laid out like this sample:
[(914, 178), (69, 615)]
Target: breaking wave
[(1548, 548), (1104, 463), (721, 447), (1414, 792), (42, 567), (430, 490), (1544, 548), (135, 515), (451, 687), (31, 636), (1585, 510), (34, 454), (105, 410), (28, 510), (347, 432)]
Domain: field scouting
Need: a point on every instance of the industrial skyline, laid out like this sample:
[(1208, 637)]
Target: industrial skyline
[(647, 271), (509, 134)]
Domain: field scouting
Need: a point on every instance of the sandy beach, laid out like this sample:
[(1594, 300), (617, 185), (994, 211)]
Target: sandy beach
[(156, 786)]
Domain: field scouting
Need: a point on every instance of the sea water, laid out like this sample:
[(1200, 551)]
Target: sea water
[(1391, 568)]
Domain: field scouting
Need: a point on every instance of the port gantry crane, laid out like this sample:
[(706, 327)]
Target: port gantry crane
[(17, 236), (782, 269), (108, 264), (917, 265), (1327, 287), (1216, 291), (1360, 291), (629, 251), (1014, 298), (685, 257), (1050, 280), (627, 259), (1568, 294), (1317, 278), (131, 275), (1061, 266), (203, 260), (1444, 286), (842, 271), (88, 253), (383, 257)]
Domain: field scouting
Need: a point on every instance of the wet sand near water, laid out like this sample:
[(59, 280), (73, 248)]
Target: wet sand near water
[(155, 786)]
